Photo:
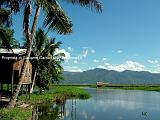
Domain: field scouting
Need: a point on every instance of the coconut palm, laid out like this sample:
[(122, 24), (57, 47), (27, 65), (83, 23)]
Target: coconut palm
[(55, 19), (46, 70), (6, 34)]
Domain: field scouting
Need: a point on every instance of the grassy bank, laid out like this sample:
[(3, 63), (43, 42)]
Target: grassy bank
[(133, 87), (122, 86), (15, 113), (22, 113), (72, 92), (55, 91), (146, 88)]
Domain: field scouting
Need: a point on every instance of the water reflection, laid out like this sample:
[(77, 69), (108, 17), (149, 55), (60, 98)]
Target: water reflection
[(105, 104), (48, 111)]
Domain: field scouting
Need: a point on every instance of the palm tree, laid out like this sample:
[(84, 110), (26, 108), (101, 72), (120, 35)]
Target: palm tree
[(46, 47), (6, 34), (55, 19)]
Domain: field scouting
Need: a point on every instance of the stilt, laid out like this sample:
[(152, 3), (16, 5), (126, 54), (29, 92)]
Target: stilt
[(29, 91), (1, 87), (26, 91), (8, 87), (12, 82)]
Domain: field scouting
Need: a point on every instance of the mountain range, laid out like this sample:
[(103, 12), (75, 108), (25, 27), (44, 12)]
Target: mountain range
[(111, 76)]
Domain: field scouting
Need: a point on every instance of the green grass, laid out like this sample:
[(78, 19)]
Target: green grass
[(15, 114), (72, 92), (120, 86), (26, 113), (147, 88), (67, 91), (133, 87)]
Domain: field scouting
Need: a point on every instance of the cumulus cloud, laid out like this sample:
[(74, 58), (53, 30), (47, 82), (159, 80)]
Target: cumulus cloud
[(72, 69), (67, 54), (153, 61), (128, 65)]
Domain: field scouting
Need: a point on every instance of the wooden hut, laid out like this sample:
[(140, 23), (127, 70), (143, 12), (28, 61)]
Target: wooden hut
[(101, 84), (11, 62)]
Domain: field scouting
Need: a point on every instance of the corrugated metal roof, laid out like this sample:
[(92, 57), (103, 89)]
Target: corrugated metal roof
[(13, 51)]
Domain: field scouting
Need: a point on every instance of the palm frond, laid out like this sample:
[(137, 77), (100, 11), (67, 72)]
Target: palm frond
[(5, 18), (56, 19), (40, 40), (4, 38), (14, 5), (88, 3)]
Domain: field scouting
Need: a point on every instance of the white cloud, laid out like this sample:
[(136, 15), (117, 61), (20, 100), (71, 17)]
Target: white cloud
[(101, 66), (85, 47), (70, 49), (75, 61), (119, 51), (93, 51), (72, 69), (153, 61), (104, 59), (85, 53), (82, 55), (95, 61), (128, 65), (67, 54)]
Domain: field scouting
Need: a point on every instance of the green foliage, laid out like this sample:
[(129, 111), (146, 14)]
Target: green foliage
[(72, 92), (138, 87), (15, 114), (50, 96), (6, 38), (48, 112), (5, 18), (48, 63), (6, 34)]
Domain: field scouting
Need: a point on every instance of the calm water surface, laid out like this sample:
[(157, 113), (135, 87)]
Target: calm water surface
[(111, 104)]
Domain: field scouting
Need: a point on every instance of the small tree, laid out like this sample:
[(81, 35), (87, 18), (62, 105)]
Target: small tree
[(47, 68)]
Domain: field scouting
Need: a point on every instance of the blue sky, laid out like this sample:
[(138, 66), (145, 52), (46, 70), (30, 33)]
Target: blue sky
[(126, 36)]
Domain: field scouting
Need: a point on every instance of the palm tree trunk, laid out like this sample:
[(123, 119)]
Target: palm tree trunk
[(33, 82), (38, 9), (33, 31), (29, 37)]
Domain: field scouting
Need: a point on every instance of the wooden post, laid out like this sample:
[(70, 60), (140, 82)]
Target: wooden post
[(29, 91), (2, 86), (22, 89), (12, 81), (7, 87), (26, 91)]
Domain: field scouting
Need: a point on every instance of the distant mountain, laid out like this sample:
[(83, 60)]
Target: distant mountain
[(110, 76)]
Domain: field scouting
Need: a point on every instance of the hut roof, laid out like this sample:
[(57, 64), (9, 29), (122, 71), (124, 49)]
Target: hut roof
[(13, 51)]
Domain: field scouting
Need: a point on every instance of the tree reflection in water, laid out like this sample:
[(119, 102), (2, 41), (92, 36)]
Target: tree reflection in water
[(73, 109), (48, 111)]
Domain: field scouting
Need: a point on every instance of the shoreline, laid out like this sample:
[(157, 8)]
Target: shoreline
[(23, 109)]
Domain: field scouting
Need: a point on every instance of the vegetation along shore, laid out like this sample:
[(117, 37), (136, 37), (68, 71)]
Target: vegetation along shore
[(23, 109)]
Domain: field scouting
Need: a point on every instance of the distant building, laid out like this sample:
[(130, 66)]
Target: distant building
[(101, 84)]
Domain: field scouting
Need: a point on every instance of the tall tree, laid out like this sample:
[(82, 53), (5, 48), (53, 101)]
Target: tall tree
[(6, 34), (46, 70), (55, 19)]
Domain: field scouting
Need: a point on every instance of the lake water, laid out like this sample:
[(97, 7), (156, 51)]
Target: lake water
[(110, 104)]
